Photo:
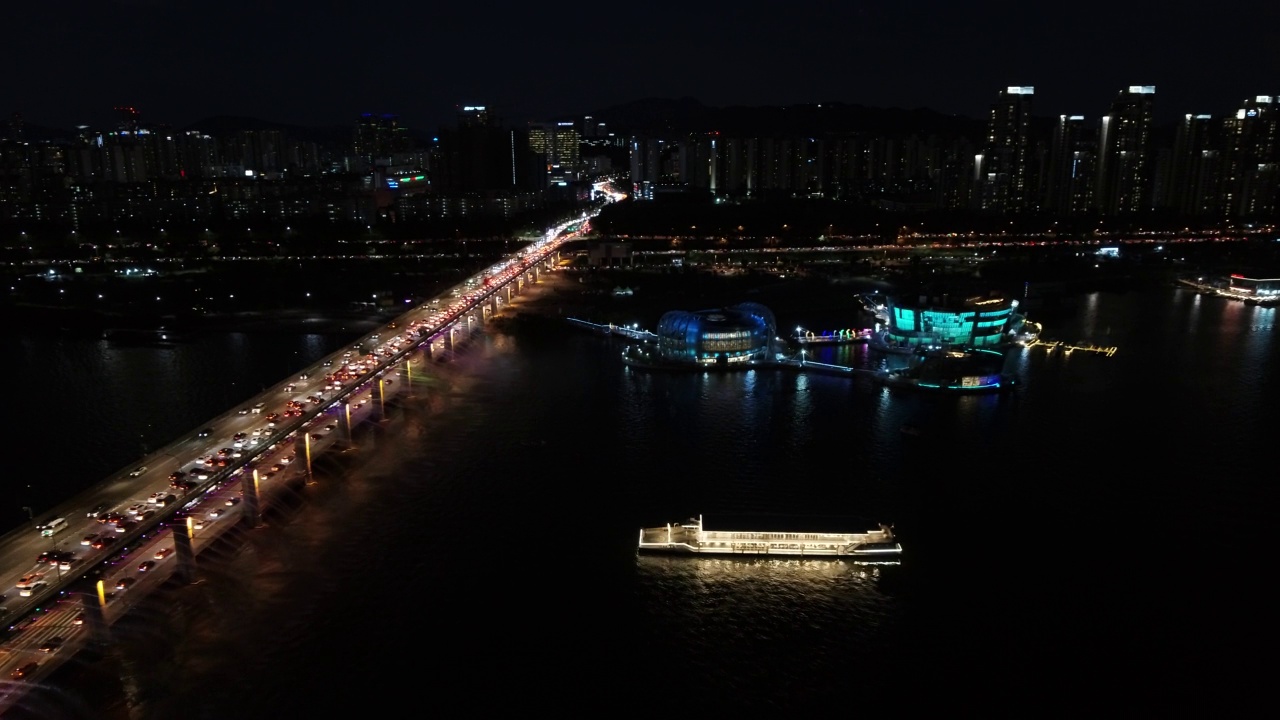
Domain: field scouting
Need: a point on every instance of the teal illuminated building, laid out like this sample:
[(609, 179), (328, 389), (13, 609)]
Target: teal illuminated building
[(976, 323)]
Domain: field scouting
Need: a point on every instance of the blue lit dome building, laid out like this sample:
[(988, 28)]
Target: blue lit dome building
[(737, 336)]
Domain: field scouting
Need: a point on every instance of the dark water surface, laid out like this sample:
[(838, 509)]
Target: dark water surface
[(1092, 538)]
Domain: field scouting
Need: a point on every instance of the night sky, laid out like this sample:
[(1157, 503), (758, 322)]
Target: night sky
[(324, 62)]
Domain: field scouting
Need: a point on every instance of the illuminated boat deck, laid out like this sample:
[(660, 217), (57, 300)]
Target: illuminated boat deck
[(692, 537)]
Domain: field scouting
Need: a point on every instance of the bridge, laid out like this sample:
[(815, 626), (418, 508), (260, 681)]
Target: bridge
[(634, 332), (155, 518)]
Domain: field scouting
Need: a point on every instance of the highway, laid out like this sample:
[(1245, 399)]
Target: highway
[(269, 433)]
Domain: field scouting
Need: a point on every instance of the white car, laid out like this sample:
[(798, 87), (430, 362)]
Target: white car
[(136, 472), (156, 497), (32, 589), (136, 509)]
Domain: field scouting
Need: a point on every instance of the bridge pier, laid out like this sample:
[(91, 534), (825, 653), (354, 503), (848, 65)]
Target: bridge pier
[(507, 289), (351, 431), (252, 506), (186, 557), (95, 621), (448, 339)]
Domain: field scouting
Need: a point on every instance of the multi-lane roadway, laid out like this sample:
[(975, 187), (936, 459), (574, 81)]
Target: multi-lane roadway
[(269, 433)]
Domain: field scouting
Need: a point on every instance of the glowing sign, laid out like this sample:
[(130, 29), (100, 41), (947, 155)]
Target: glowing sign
[(473, 108), (1142, 89), (1265, 99), (1020, 90), (1076, 117), (1204, 117)]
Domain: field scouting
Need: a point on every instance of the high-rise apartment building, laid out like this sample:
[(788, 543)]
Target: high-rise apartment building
[(1194, 185), (1070, 173), (1003, 172), (380, 137), (1251, 172), (1125, 153)]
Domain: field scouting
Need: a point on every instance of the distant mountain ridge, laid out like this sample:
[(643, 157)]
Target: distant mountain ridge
[(223, 125), (660, 116)]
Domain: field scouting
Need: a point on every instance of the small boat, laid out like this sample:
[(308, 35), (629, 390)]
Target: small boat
[(692, 537)]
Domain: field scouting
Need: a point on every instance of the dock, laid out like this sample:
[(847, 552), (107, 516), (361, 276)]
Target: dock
[(1068, 348), (633, 332)]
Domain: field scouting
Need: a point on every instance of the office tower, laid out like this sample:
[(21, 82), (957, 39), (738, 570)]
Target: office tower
[(479, 155), (1194, 185), (470, 116), (1070, 176), (1124, 153), (1251, 172), (379, 137), (558, 145), (1004, 182)]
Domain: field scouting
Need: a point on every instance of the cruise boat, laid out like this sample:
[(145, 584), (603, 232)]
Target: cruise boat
[(692, 537)]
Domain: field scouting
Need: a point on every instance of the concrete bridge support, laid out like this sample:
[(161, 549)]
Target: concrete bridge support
[(94, 619), (448, 339), (506, 289), (252, 508), (186, 570)]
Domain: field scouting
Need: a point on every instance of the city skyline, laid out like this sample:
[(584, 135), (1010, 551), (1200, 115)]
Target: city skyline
[(330, 64)]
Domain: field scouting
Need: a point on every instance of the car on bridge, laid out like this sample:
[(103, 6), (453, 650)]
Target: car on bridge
[(162, 553), (138, 471), (25, 671), (205, 433), (125, 583), (33, 588), (51, 645)]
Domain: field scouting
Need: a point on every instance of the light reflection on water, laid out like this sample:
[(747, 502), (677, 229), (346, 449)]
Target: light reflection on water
[(492, 531)]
